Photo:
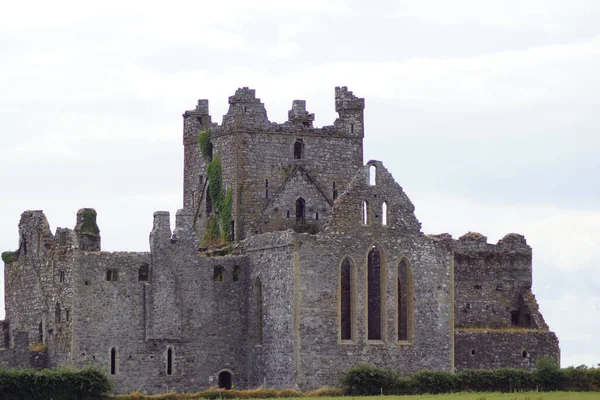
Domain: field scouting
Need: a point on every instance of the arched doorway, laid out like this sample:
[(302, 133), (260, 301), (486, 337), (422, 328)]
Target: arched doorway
[(225, 380)]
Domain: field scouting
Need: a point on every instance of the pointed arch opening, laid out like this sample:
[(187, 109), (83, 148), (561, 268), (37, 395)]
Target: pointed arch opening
[(404, 301), (374, 294), (384, 213), (258, 301), (347, 298), (300, 210), (372, 175)]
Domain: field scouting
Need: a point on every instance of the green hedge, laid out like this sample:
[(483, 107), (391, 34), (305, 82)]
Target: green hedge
[(367, 379), (49, 384)]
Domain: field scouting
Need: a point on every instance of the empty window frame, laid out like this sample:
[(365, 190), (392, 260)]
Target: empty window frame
[(144, 273), (218, 273), (258, 304), (372, 175), (374, 296), (299, 149), (384, 213), (404, 300), (112, 275), (365, 212), (346, 300)]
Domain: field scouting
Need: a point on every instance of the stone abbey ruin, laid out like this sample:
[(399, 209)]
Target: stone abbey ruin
[(291, 261)]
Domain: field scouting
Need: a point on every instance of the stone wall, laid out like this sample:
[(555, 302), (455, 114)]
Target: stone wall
[(493, 283), (489, 349)]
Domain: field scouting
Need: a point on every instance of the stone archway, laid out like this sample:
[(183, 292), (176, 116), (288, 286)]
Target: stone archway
[(225, 380)]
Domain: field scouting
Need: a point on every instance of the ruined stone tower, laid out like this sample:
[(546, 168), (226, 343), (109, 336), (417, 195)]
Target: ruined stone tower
[(291, 260)]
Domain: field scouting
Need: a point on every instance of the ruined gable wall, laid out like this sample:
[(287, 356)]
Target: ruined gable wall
[(323, 355)]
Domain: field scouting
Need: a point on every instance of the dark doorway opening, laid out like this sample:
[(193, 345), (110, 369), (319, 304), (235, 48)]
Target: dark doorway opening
[(514, 318), (225, 380)]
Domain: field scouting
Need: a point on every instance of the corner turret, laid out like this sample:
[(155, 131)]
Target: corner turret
[(351, 111)]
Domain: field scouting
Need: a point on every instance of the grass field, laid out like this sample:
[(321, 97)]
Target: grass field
[(484, 396)]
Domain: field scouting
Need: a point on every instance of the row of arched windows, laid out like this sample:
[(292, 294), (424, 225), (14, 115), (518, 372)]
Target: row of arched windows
[(365, 213), (375, 298)]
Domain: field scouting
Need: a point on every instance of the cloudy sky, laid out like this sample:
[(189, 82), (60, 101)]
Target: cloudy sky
[(486, 112)]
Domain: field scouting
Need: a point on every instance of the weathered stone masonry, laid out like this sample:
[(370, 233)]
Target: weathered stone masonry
[(327, 267)]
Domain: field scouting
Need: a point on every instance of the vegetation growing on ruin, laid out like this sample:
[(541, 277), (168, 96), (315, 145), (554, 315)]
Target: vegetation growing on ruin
[(38, 346), (88, 223), (218, 225), (204, 143), (8, 257)]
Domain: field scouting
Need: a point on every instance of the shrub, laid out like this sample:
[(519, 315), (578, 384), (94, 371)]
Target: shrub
[(289, 393), (548, 376), (52, 384), (326, 392), (366, 379), (435, 382)]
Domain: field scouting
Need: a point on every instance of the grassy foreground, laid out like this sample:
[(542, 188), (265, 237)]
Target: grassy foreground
[(490, 396), (452, 396)]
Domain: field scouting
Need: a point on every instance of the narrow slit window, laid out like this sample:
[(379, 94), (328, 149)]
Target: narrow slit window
[(317, 216), (67, 312), (169, 361), (113, 361), (384, 214), (372, 175), (365, 212), (300, 210), (61, 276), (335, 193), (236, 273), (232, 231), (374, 294), (351, 128), (346, 300), (218, 274), (201, 180)]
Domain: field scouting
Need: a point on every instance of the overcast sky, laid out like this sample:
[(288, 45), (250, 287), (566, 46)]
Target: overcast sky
[(486, 112)]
